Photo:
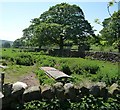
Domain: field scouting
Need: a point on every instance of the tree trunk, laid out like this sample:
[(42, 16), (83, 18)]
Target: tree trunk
[(61, 45), (81, 51)]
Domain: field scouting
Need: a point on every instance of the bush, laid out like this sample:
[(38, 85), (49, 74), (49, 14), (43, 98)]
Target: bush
[(108, 79), (4, 63), (65, 68), (42, 52), (86, 103), (6, 57), (76, 68), (92, 69), (12, 59), (24, 59), (47, 62)]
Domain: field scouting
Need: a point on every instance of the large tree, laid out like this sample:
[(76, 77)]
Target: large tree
[(60, 23)]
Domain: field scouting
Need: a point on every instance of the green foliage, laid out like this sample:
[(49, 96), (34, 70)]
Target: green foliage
[(42, 52), (18, 43), (92, 69), (82, 68), (106, 48), (86, 103), (107, 78), (111, 26), (43, 78), (24, 59), (78, 68), (66, 69), (61, 23), (47, 61), (6, 57), (54, 104)]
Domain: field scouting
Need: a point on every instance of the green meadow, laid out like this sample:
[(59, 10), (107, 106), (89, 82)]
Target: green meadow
[(20, 63)]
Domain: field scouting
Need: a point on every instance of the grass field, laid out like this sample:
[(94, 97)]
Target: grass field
[(80, 69)]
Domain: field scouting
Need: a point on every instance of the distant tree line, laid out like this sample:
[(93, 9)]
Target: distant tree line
[(6, 44)]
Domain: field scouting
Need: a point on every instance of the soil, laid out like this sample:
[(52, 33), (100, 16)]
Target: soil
[(30, 80)]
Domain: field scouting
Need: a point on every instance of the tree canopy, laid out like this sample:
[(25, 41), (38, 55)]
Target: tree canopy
[(111, 28), (60, 23)]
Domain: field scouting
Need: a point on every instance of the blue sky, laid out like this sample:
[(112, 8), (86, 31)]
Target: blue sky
[(16, 16)]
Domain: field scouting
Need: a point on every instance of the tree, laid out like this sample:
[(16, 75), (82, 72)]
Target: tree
[(73, 22), (111, 28), (60, 23), (18, 43), (47, 34), (6, 45)]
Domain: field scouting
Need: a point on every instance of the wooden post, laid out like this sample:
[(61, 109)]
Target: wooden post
[(2, 80)]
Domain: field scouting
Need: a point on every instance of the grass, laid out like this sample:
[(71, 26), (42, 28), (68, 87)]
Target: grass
[(15, 72), (105, 69), (80, 69)]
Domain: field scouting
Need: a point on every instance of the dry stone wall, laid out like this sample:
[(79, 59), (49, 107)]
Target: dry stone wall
[(20, 93), (99, 55), (106, 56)]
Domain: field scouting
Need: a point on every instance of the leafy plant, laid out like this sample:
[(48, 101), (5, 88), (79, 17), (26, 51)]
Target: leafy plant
[(86, 103), (43, 78), (24, 59), (65, 68), (92, 69)]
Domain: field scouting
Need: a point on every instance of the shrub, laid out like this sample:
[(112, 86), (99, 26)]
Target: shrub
[(47, 62), (65, 68), (6, 57), (42, 52), (4, 49), (24, 59), (12, 59), (4, 63), (92, 69), (76, 68)]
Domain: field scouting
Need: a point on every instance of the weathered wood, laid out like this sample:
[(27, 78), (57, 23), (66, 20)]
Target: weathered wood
[(2, 75), (54, 73)]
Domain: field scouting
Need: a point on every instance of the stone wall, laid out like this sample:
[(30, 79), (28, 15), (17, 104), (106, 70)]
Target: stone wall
[(19, 93), (106, 56)]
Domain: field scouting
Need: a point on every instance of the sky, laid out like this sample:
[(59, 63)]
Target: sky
[(16, 16)]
